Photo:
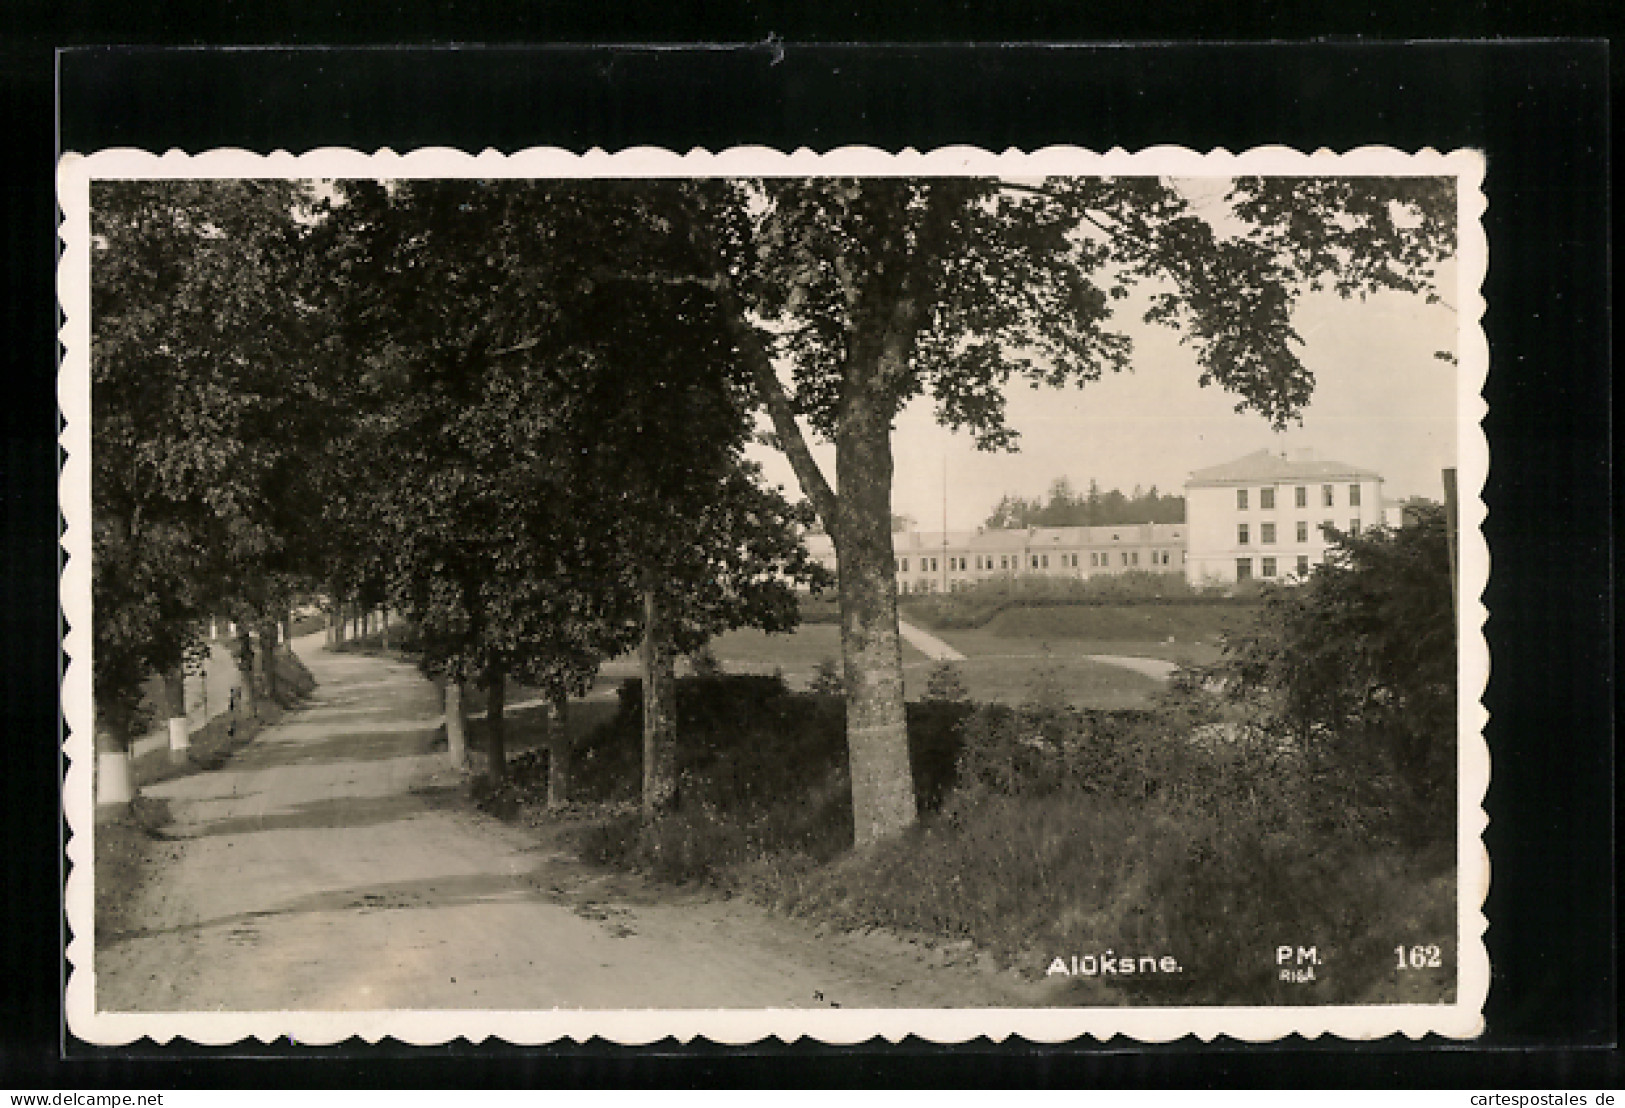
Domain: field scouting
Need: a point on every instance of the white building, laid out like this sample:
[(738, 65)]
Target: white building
[(931, 561), (1265, 515)]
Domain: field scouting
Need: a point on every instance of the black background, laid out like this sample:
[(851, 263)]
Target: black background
[(1538, 110)]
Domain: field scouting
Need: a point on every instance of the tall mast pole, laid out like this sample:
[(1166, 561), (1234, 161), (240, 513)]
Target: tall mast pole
[(945, 521)]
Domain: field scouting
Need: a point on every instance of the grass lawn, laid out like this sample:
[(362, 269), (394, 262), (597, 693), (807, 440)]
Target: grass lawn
[(1010, 678), (796, 654), (1189, 625), (987, 642)]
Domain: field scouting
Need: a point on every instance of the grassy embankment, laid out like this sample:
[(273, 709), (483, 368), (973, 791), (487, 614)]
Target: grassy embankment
[(126, 844)]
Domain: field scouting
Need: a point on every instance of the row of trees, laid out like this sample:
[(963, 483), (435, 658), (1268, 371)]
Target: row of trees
[(517, 409), (1064, 506)]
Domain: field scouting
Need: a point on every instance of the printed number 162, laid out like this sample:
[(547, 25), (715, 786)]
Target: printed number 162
[(1417, 957)]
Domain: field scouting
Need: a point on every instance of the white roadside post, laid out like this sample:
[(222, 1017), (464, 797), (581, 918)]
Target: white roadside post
[(114, 788), (175, 704)]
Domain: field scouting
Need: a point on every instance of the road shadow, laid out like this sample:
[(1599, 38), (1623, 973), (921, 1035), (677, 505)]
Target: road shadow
[(441, 891), (344, 811), (349, 746)]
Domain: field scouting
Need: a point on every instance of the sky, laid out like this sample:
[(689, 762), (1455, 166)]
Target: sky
[(1382, 401)]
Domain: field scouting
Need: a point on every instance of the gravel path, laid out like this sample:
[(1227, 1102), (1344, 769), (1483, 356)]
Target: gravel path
[(927, 643), (335, 865)]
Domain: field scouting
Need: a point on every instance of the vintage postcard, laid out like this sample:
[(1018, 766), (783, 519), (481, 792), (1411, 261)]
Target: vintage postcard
[(750, 594)]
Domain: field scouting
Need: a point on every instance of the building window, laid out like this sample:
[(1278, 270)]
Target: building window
[(1303, 530), (1303, 565), (933, 565), (1045, 560), (1125, 557), (1269, 567), (1241, 502), (1244, 569), (1326, 495), (1094, 559), (1266, 499), (902, 587), (1354, 496), (1266, 532), (1354, 526), (1327, 527), (1004, 561), (1242, 538), (1135, 557), (1300, 496)]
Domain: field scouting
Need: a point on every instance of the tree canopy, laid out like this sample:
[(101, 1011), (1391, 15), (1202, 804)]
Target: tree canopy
[(516, 404)]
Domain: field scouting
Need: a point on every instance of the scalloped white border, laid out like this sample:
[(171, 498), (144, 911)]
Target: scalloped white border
[(1462, 1019)]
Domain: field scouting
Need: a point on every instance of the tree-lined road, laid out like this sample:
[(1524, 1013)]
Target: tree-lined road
[(333, 865)]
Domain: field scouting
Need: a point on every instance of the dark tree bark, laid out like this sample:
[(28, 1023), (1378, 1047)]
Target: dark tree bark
[(558, 752), (496, 733), (265, 657), (659, 710), (247, 663), (456, 735)]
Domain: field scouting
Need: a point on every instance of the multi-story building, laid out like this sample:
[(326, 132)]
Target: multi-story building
[(932, 561), (1266, 515)]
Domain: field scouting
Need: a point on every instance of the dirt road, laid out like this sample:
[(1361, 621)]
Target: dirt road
[(333, 865)]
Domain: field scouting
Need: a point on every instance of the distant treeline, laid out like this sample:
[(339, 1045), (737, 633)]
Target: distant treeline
[(1066, 507)]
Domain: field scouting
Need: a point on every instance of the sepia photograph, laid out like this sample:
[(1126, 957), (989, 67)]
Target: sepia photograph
[(846, 594)]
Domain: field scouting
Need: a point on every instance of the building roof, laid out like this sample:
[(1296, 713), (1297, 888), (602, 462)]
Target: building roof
[(1266, 466)]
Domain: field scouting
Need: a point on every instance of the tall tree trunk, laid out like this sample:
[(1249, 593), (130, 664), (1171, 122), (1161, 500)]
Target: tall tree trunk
[(384, 615), (858, 517), (659, 708), (287, 634), (114, 787), (496, 734), (558, 751), (456, 736), (248, 700), (876, 720), (175, 709), (332, 627), (267, 656)]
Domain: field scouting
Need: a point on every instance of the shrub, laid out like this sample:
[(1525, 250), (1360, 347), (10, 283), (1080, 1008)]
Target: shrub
[(1357, 666), (705, 662), (946, 682), (827, 679), (824, 607)]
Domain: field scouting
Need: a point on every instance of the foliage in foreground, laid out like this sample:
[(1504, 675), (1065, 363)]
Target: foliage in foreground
[(1298, 795), (1056, 832)]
